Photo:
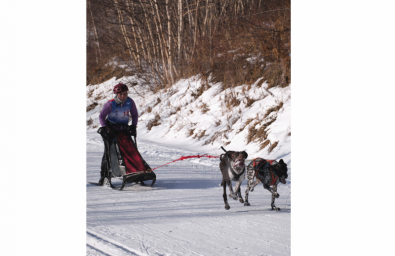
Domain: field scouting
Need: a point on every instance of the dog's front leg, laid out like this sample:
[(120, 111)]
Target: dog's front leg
[(274, 196), (250, 181), (232, 194), (229, 182), (272, 190), (237, 189), (227, 207)]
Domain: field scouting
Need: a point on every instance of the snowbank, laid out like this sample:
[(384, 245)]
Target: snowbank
[(188, 117)]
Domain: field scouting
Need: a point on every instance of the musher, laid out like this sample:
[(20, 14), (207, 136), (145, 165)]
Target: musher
[(117, 112)]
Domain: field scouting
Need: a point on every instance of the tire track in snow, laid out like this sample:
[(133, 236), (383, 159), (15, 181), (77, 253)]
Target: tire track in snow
[(97, 250), (109, 246)]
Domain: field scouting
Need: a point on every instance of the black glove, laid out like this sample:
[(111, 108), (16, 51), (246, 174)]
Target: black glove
[(132, 130), (105, 133)]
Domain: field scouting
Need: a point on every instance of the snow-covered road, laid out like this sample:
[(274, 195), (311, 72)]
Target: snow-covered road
[(183, 213)]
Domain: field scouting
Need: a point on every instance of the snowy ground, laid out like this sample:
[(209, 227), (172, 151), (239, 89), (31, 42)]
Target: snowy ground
[(183, 213)]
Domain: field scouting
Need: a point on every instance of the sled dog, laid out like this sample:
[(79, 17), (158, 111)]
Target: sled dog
[(270, 173), (232, 167)]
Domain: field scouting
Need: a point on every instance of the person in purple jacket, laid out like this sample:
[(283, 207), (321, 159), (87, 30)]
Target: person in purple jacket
[(117, 112)]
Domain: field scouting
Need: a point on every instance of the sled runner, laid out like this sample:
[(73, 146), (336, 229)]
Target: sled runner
[(129, 167)]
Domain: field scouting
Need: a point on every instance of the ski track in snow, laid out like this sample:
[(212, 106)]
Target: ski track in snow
[(183, 213), (108, 246)]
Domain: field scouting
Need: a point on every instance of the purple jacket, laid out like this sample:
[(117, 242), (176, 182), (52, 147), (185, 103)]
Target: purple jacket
[(107, 108)]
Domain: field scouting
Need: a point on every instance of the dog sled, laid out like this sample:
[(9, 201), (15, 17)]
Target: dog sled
[(126, 164)]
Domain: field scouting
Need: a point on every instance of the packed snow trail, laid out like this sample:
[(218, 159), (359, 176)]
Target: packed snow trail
[(183, 213)]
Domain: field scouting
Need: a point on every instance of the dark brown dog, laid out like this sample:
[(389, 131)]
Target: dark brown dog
[(232, 167)]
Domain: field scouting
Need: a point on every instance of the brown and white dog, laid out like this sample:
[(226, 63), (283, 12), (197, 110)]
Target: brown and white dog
[(232, 167), (270, 173)]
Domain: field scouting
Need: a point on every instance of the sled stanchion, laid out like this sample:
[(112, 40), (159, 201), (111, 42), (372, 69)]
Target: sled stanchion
[(108, 163)]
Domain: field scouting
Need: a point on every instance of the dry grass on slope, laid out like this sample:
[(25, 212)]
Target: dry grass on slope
[(153, 122), (260, 135)]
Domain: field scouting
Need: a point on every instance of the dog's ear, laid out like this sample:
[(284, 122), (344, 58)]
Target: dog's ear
[(245, 154), (283, 166)]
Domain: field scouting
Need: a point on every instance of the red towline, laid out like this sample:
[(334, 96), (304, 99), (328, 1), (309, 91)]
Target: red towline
[(186, 157)]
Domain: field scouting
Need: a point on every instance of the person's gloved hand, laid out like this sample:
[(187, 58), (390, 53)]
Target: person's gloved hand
[(132, 130), (105, 133)]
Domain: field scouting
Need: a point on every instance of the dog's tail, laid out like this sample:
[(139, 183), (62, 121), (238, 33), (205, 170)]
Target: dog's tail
[(220, 158)]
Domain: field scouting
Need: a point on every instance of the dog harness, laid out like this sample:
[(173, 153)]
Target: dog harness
[(235, 175), (263, 172)]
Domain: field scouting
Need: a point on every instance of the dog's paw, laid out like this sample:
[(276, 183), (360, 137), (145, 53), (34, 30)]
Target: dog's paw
[(234, 196), (227, 207), (275, 208), (276, 195), (246, 204), (241, 200)]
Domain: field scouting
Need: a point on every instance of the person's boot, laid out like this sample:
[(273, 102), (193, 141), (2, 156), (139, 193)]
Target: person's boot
[(101, 181)]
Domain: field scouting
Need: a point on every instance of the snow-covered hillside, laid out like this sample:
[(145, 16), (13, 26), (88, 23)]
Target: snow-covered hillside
[(252, 118)]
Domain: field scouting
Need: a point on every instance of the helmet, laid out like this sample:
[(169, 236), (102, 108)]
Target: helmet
[(120, 88)]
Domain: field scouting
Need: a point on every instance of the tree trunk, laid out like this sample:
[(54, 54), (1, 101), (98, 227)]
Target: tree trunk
[(162, 45), (179, 31), (94, 29), (124, 32), (154, 48), (170, 55), (134, 33), (190, 27), (205, 18), (196, 28)]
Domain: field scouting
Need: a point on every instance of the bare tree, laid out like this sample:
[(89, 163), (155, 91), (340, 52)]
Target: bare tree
[(168, 40)]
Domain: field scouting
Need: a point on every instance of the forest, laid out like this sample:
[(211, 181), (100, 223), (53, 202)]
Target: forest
[(229, 41)]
